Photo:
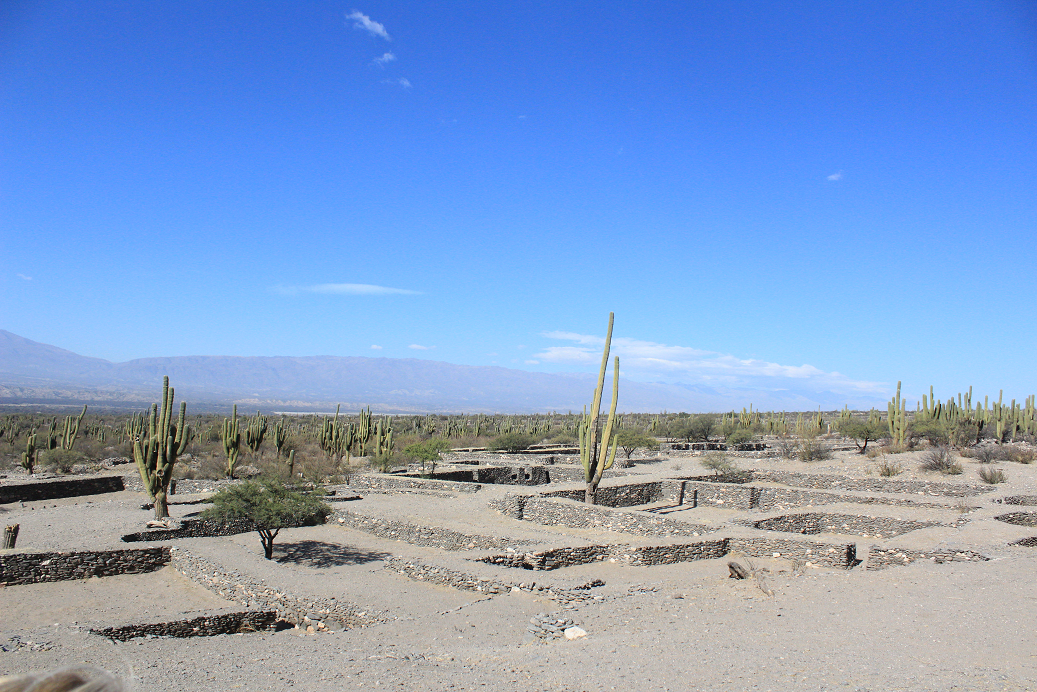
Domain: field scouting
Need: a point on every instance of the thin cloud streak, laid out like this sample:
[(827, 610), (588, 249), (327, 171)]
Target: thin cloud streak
[(647, 359), (419, 347), (362, 21), (345, 290), (387, 57)]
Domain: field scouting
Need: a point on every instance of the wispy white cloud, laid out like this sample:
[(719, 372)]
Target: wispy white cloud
[(686, 365), (532, 362), (24, 277), (385, 58), (836, 176), (362, 21), (401, 81), (344, 290), (376, 347), (419, 347)]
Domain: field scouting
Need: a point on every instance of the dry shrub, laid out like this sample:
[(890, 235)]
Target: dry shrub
[(814, 450), (875, 452), (992, 476), (1020, 454), (940, 459), (888, 468)]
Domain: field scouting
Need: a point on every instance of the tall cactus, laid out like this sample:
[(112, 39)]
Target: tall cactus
[(897, 419), (71, 430), (29, 455), (597, 447), (255, 433), (231, 442), (155, 449), (281, 428)]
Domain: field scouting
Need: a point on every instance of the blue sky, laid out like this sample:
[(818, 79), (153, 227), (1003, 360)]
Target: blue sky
[(813, 195)]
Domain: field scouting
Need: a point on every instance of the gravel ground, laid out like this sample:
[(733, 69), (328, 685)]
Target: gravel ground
[(926, 626)]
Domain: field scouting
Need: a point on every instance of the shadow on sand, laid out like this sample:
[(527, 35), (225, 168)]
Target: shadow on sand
[(324, 555)]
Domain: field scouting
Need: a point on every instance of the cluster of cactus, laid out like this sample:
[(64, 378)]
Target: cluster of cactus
[(156, 448), (70, 431), (597, 446), (231, 439), (778, 425), (428, 425), (897, 418), (281, 430), (255, 432), (385, 443)]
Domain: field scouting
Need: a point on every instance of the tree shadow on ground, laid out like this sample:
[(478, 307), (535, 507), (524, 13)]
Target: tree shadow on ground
[(324, 555)]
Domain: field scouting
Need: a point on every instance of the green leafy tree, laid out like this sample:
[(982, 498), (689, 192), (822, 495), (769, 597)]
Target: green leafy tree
[(862, 432), (428, 452), (270, 505), (630, 440)]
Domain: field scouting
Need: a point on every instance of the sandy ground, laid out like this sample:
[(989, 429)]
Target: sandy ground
[(926, 626)]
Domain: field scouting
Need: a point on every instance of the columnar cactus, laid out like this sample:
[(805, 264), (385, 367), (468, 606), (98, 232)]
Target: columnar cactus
[(29, 455), (156, 448), (71, 430), (231, 442), (281, 435), (897, 418), (255, 432), (597, 447)]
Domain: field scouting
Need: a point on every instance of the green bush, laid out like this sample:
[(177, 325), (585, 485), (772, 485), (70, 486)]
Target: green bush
[(270, 505), (383, 462), (718, 463), (862, 432), (814, 450), (739, 436), (512, 442)]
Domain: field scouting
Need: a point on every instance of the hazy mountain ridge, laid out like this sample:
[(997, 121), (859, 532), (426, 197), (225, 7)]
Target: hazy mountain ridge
[(32, 372)]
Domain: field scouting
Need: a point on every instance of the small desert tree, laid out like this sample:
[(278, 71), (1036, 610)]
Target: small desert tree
[(631, 440), (863, 432), (428, 452), (270, 505)]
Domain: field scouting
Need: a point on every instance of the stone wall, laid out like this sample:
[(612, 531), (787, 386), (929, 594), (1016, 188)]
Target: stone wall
[(1020, 500), (192, 528), (252, 593), (881, 558), (576, 474), (577, 514), (203, 626), (390, 482), (818, 522), (822, 481), (70, 487), (32, 568), (1019, 518), (629, 495), (415, 534), (816, 554), (497, 475)]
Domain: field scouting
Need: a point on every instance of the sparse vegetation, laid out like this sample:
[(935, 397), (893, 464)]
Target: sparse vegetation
[(814, 450), (940, 459), (61, 460), (718, 463), (512, 442), (889, 468), (428, 452), (992, 476), (631, 440)]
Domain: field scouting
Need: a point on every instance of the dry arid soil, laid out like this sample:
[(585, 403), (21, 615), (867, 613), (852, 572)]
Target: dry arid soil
[(927, 625)]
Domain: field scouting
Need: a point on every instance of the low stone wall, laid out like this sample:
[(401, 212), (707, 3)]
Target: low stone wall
[(415, 534), (192, 528), (629, 495), (1021, 500), (252, 593), (33, 568), (390, 482), (204, 626), (431, 574), (576, 474), (50, 490), (576, 514), (818, 522), (717, 446), (817, 554), (497, 475), (881, 558), (839, 556), (1019, 518), (822, 481)]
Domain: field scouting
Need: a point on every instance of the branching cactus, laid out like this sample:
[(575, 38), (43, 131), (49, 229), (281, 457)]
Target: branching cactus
[(897, 419), (597, 446), (71, 430), (155, 450), (231, 442), (255, 433), (29, 455), (281, 428)]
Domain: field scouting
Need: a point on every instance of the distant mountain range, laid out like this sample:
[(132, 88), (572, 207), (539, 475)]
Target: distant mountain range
[(34, 374)]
